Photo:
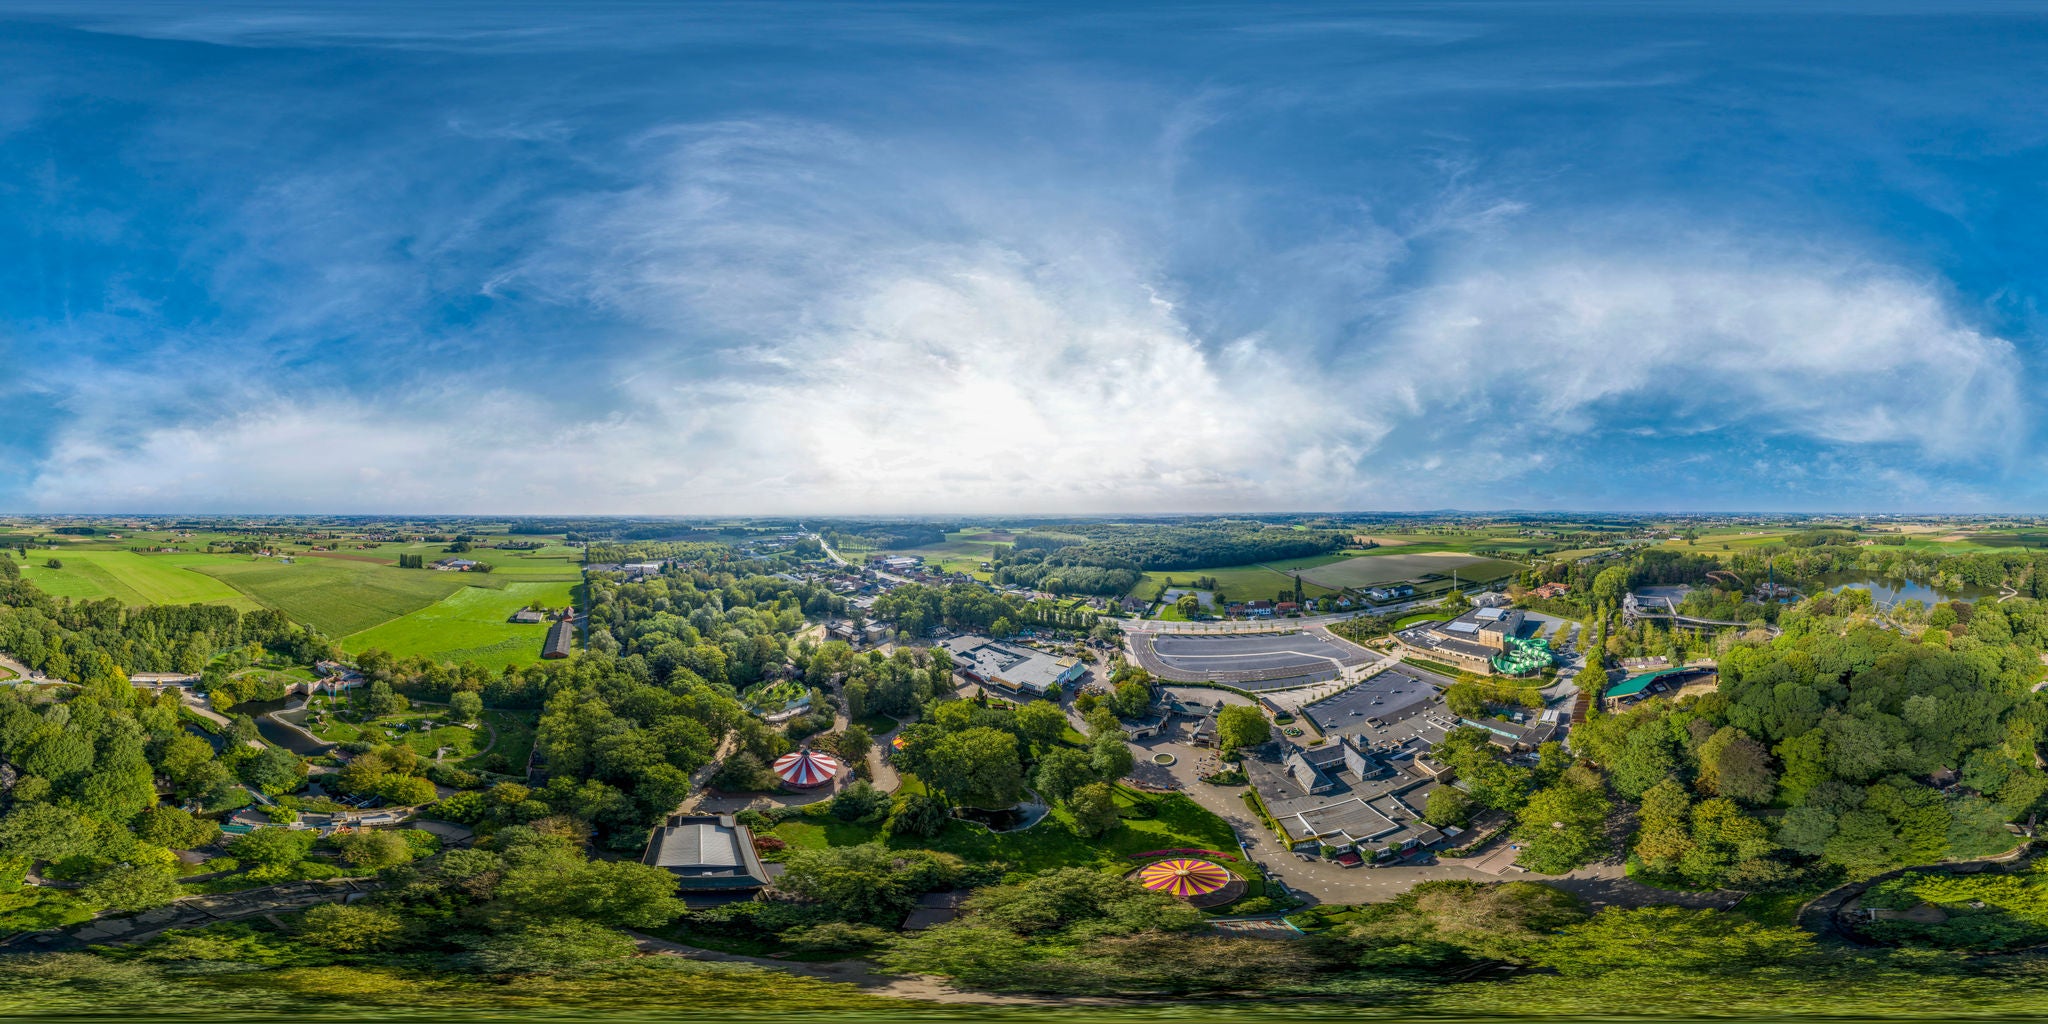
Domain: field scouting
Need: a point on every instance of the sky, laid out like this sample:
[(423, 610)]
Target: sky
[(850, 258)]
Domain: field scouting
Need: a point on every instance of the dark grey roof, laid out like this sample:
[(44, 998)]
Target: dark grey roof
[(561, 639), (706, 851)]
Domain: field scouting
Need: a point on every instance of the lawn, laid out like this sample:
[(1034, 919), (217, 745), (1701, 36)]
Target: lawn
[(337, 596), (1177, 823), (133, 578), (471, 624)]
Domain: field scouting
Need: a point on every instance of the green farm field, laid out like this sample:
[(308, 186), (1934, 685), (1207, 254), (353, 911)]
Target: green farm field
[(469, 625), (338, 596), (963, 551), (133, 578), (1396, 566), (1237, 582)]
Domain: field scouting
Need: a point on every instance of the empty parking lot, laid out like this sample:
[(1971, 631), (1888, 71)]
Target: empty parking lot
[(1248, 657)]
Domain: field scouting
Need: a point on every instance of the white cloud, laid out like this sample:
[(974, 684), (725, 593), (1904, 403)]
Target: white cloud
[(819, 322), (1713, 339)]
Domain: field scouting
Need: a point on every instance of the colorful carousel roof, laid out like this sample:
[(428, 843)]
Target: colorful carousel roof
[(806, 768), (1184, 877)]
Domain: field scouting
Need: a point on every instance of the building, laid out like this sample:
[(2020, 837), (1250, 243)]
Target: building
[(561, 640), (1488, 641), (1012, 666), (1549, 590), (529, 616), (706, 853), (1382, 595), (1667, 682), (456, 565), (1521, 732), (1349, 796)]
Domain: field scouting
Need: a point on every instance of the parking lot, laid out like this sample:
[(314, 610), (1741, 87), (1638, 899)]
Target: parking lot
[(1296, 657)]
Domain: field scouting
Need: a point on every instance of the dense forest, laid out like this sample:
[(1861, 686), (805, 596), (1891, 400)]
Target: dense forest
[(1836, 748)]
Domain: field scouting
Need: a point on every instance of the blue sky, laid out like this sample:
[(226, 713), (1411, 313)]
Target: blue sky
[(766, 258)]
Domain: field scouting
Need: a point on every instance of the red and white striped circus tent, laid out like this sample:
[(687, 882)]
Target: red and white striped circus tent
[(807, 769)]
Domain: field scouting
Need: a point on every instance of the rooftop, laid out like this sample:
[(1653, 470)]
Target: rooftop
[(706, 851)]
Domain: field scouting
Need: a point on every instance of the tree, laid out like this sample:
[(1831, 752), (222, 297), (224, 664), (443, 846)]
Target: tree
[(555, 947), (918, 815), (1130, 699), (465, 706), (374, 849), (1109, 755), (1041, 723), (45, 832), (557, 883), (1061, 771), (273, 847), (1241, 725), (1562, 827), (348, 929), (1664, 832), (978, 767), (1447, 805), (869, 882), (1094, 809), (173, 828), (405, 790), (273, 771), (1743, 771), (132, 887), (1188, 606)]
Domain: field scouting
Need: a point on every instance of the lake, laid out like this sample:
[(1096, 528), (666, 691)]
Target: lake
[(1888, 592)]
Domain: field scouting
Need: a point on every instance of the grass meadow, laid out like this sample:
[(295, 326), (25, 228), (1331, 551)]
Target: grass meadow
[(133, 578), (470, 624), (1396, 566), (337, 596)]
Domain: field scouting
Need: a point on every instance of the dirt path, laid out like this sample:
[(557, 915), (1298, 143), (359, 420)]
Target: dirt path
[(856, 972)]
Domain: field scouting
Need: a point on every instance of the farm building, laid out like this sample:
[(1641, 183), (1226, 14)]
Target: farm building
[(529, 616), (561, 640)]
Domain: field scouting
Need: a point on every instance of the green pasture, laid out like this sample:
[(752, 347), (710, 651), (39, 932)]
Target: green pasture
[(340, 596), (1395, 567), (1237, 582), (471, 624), (133, 578)]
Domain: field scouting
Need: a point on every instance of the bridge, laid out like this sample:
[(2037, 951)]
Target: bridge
[(1632, 611)]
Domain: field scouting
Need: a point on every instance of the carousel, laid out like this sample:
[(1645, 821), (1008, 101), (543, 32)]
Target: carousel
[(1202, 883), (807, 769)]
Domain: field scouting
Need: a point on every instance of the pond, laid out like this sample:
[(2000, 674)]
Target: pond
[(1888, 592), (997, 821), (274, 732)]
